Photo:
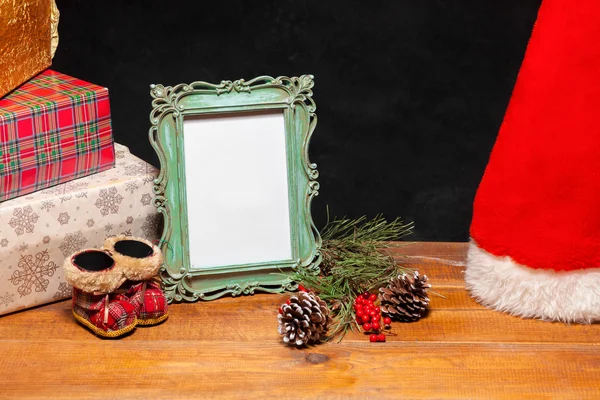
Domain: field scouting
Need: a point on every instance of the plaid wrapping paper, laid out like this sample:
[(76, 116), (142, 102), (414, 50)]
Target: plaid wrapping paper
[(53, 129), (39, 230)]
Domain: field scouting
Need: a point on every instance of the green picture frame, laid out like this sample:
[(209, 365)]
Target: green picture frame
[(173, 107)]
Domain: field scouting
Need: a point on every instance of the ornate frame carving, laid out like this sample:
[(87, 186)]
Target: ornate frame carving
[(170, 105)]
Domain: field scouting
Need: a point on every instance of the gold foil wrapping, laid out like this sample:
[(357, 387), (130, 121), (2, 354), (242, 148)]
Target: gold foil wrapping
[(25, 41), (54, 17)]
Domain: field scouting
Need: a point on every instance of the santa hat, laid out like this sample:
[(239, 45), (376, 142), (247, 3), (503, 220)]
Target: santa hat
[(535, 248)]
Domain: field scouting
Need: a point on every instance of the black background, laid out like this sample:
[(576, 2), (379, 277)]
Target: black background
[(410, 93)]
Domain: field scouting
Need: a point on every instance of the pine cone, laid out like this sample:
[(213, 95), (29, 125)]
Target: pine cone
[(405, 298), (304, 320)]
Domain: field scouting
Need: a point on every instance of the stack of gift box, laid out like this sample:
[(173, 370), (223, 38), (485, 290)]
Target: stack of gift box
[(64, 184)]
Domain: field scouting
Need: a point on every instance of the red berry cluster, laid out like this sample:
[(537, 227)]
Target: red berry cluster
[(369, 316)]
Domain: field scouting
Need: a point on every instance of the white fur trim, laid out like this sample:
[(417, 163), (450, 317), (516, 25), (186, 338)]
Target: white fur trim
[(135, 269), (502, 284), (105, 281)]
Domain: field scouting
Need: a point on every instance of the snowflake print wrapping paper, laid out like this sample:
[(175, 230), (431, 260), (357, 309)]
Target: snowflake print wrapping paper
[(39, 230)]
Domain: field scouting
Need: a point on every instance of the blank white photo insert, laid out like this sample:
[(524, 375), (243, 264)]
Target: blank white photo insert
[(237, 189)]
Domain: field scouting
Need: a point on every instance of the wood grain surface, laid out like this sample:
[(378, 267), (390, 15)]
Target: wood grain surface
[(230, 348)]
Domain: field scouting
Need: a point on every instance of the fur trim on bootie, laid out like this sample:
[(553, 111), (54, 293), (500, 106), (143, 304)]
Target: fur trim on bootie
[(93, 271), (138, 258)]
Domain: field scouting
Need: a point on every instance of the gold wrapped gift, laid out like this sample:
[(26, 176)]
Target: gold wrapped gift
[(28, 35)]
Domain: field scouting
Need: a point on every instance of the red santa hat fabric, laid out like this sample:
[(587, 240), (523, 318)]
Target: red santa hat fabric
[(535, 248)]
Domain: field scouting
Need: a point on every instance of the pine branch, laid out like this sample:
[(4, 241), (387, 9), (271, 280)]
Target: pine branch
[(354, 261)]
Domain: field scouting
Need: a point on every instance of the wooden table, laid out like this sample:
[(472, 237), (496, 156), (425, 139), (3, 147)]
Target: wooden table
[(230, 348)]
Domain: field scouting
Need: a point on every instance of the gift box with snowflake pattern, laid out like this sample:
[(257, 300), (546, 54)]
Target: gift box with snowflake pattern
[(39, 230)]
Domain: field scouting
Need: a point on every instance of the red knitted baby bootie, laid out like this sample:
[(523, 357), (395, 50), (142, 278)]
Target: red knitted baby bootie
[(107, 315), (140, 260), (149, 301), (95, 277)]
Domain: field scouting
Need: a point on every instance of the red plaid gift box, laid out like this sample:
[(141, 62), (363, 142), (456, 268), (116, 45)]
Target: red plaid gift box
[(53, 129)]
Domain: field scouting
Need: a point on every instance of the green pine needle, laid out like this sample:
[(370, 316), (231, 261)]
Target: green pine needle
[(354, 261)]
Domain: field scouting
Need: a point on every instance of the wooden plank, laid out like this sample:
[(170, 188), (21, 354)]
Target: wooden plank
[(443, 263), (225, 369), (456, 319), (439, 275), (430, 249), (230, 348)]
